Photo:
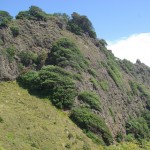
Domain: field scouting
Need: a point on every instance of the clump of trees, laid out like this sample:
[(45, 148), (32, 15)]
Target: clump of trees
[(14, 30), (34, 13), (79, 24), (53, 82), (65, 53), (138, 128), (90, 98), (5, 18)]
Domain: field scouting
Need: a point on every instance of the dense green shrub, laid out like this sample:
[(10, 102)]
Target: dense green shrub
[(114, 72), (112, 67), (119, 137), (91, 98), (138, 128), (37, 13), (34, 13), (28, 58), (65, 53), (1, 120), (61, 85), (81, 24), (129, 138), (103, 42), (146, 94), (146, 116), (9, 53), (127, 66), (62, 16), (134, 87), (90, 122), (29, 80), (23, 15), (41, 58), (5, 18), (51, 81), (112, 113), (78, 77), (140, 90), (14, 30)]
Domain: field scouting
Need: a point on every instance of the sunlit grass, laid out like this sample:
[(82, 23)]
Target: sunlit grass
[(29, 123)]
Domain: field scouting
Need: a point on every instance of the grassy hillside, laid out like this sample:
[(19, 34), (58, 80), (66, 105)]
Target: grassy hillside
[(58, 57), (29, 123)]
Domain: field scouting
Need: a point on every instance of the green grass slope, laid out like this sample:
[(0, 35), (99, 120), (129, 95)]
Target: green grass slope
[(29, 123)]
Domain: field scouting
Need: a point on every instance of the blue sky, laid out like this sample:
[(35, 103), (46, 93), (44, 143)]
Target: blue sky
[(113, 20)]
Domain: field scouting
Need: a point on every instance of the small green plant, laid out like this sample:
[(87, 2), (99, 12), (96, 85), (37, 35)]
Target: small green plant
[(115, 73), (1, 120), (41, 58), (134, 87), (78, 77), (104, 85), (91, 98), (140, 90), (112, 113), (20, 67), (9, 53), (1, 42), (146, 116), (94, 82), (68, 146), (92, 72), (129, 138), (96, 139), (14, 30), (86, 146), (10, 136), (119, 137)]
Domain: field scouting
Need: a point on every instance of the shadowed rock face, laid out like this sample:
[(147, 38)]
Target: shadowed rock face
[(111, 80)]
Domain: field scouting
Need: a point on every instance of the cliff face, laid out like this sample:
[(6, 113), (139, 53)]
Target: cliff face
[(112, 79)]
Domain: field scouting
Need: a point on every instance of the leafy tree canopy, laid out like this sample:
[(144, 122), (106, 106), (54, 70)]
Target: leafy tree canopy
[(5, 17), (34, 13), (51, 81), (81, 24)]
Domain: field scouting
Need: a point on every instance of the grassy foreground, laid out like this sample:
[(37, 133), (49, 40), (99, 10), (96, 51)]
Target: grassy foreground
[(29, 123)]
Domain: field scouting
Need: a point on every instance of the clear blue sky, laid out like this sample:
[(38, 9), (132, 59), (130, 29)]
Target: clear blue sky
[(111, 19)]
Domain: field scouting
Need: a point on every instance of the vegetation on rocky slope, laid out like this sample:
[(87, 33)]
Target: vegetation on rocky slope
[(59, 57)]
